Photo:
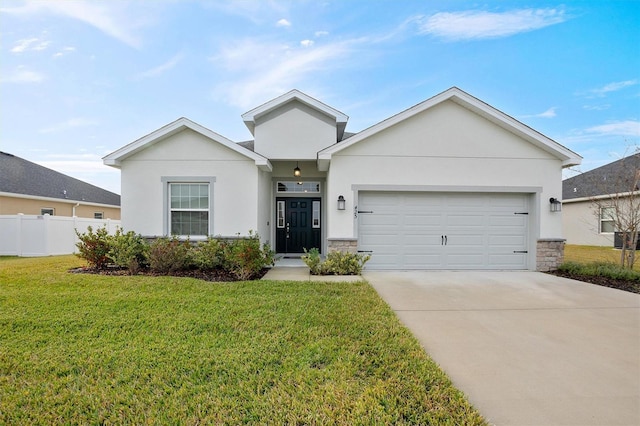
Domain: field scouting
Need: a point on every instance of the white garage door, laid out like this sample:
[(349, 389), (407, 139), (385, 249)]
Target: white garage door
[(417, 230)]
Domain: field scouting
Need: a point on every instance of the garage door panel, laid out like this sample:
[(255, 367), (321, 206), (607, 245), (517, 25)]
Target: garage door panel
[(406, 230)]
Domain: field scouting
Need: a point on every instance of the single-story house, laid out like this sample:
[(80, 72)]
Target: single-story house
[(31, 189), (586, 201), (450, 183)]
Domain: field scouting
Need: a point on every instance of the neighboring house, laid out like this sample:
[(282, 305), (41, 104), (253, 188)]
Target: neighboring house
[(31, 189), (450, 183), (585, 222)]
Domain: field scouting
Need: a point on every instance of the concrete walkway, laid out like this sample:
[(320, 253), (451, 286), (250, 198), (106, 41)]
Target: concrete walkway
[(296, 270), (526, 348)]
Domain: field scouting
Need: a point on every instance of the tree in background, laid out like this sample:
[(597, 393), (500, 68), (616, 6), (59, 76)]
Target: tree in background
[(621, 204)]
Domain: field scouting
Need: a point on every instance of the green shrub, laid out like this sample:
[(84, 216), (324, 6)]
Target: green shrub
[(94, 247), (128, 250), (169, 255), (208, 255), (312, 259), (336, 263), (602, 269), (244, 258)]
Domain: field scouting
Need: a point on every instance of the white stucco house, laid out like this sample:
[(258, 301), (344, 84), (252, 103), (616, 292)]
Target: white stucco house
[(450, 183)]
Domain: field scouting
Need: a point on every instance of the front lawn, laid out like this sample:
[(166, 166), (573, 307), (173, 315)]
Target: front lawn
[(589, 254), (91, 349)]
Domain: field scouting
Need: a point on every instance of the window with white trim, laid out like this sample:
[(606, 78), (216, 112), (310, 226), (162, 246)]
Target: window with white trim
[(189, 208), (47, 210), (281, 207), (299, 187), (315, 217), (607, 224), (98, 215)]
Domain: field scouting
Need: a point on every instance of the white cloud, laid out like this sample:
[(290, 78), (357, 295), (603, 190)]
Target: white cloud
[(307, 43), (617, 128), (596, 107), (160, 69), (612, 87), (550, 113), (69, 124), (30, 44), (259, 70), (283, 23), (112, 18), (65, 50), (22, 75), (321, 33), (473, 24)]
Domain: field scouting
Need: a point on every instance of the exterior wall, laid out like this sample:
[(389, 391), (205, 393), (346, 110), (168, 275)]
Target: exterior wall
[(265, 206), (582, 225), (189, 154), (549, 254), (33, 206), (293, 132), (435, 149)]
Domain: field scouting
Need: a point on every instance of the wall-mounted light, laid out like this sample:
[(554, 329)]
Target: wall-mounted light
[(341, 202), (555, 205), (296, 171)]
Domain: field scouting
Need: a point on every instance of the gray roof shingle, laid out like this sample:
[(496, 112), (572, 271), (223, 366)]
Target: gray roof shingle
[(19, 176), (612, 178)]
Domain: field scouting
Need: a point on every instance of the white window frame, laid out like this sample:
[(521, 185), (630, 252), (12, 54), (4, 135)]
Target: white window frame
[(298, 187), (280, 215), (47, 210), (315, 214), (166, 195), (98, 215), (603, 219)]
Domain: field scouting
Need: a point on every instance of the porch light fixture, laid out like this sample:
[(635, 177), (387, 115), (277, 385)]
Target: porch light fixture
[(296, 171), (555, 205), (341, 202)]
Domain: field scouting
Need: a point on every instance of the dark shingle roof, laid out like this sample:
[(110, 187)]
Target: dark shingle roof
[(612, 178), (19, 176)]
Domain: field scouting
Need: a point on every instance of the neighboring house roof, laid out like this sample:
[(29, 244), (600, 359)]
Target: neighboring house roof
[(19, 176), (617, 177), (250, 117), (568, 157), (115, 158)]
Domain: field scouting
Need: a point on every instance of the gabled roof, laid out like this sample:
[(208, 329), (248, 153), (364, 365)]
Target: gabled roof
[(115, 158), (250, 117), (23, 177), (454, 94), (617, 177)]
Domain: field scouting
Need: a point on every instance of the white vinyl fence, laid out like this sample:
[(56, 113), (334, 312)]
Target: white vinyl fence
[(35, 235)]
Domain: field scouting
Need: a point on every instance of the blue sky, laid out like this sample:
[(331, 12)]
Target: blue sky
[(80, 79)]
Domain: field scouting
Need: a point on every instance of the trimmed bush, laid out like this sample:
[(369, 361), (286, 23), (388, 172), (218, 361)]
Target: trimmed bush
[(94, 247), (244, 258), (602, 269), (336, 263), (208, 255), (128, 250), (170, 255)]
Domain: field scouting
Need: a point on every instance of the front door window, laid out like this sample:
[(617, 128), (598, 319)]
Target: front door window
[(300, 228)]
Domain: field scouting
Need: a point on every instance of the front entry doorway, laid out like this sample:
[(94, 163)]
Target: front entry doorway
[(297, 224)]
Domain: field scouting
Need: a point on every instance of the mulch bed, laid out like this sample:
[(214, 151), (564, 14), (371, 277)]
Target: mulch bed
[(625, 285), (216, 275)]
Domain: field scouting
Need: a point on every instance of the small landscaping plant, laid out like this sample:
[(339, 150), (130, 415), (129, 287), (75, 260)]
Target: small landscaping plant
[(336, 263), (170, 255), (607, 274), (237, 259), (128, 250), (94, 247)]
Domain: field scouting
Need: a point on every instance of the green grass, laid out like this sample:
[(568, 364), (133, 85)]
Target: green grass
[(589, 254), (86, 349)]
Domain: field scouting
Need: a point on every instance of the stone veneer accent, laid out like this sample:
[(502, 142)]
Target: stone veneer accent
[(349, 245), (549, 254)]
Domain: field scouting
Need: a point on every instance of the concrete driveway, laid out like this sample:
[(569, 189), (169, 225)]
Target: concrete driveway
[(526, 348)]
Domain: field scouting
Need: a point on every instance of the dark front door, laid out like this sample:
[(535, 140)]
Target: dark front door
[(297, 224)]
